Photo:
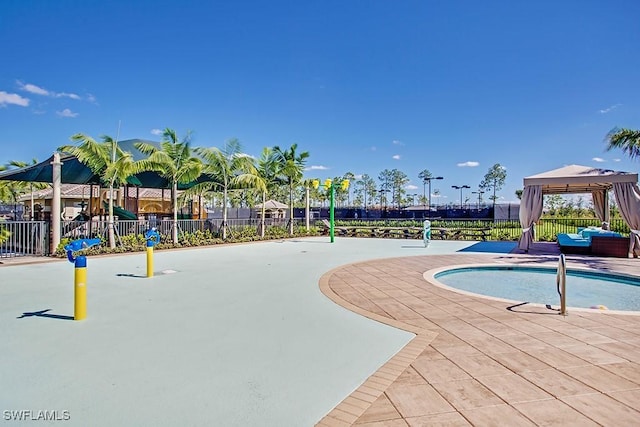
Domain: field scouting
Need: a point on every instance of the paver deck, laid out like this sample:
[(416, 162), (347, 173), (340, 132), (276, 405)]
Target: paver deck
[(476, 362)]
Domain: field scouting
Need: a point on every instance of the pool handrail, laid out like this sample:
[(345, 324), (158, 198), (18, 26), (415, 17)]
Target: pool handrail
[(561, 283)]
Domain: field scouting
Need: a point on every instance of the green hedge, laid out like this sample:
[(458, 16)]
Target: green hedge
[(137, 243)]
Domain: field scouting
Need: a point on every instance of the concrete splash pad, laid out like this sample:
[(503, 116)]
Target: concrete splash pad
[(233, 335)]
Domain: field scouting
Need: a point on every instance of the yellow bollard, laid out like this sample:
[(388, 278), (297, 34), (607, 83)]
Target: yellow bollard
[(153, 237), (80, 289), (149, 260)]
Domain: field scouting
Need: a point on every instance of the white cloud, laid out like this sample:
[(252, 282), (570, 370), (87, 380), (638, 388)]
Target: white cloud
[(358, 176), (156, 132), (616, 160), (396, 157), (609, 109), (468, 164), (396, 142), (411, 187), (66, 113), (317, 168), (92, 99), (12, 98), (36, 90), (67, 95), (598, 159)]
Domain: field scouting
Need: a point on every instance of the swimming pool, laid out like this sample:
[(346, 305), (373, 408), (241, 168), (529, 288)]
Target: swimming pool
[(585, 289)]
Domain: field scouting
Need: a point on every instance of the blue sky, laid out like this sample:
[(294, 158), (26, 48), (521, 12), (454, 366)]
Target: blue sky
[(452, 87)]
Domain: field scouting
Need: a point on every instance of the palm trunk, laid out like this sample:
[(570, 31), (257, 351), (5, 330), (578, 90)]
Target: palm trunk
[(174, 198), (111, 234), (224, 214), (264, 209), (291, 209), (307, 209)]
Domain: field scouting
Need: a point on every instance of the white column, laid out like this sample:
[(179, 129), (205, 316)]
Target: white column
[(55, 202)]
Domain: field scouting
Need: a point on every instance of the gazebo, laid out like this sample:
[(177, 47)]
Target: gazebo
[(575, 179), (273, 209)]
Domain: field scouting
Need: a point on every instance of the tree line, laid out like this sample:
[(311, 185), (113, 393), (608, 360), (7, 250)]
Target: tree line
[(235, 179)]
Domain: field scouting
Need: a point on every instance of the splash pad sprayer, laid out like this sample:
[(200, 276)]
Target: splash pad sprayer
[(426, 232), (330, 185), (74, 254), (152, 236)]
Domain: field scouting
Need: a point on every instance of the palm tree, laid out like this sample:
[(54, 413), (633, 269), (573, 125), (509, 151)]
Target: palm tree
[(10, 191), (628, 140), (228, 168), (269, 173), (107, 160), (5, 187), (291, 168), (22, 186), (174, 161)]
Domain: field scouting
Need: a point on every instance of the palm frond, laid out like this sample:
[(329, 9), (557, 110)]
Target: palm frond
[(628, 140)]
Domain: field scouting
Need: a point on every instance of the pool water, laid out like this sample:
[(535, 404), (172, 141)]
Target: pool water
[(585, 289)]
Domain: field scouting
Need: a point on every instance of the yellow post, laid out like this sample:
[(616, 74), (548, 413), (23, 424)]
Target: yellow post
[(149, 260), (80, 289)]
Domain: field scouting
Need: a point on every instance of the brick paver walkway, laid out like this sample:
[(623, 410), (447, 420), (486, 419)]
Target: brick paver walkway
[(474, 362)]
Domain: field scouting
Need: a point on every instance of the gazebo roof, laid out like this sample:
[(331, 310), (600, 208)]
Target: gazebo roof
[(573, 179), (271, 204)]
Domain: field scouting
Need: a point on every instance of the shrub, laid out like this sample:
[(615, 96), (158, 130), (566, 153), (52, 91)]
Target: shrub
[(137, 243), (4, 234)]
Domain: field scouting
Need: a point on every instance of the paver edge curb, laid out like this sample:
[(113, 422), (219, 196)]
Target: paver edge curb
[(374, 386)]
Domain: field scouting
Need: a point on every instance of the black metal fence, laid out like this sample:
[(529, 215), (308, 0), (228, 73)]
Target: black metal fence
[(31, 238), (98, 229), (546, 229)]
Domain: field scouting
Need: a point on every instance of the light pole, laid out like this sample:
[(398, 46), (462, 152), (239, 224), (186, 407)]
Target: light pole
[(479, 193), (461, 188), (429, 179), (383, 196)]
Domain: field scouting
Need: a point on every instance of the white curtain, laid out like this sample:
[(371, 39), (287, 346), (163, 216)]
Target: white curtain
[(628, 198), (601, 206), (530, 213)]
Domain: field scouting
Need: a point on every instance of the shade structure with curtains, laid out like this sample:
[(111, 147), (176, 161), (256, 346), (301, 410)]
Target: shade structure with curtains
[(576, 179)]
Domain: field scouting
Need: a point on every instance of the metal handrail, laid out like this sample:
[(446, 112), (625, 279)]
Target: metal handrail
[(561, 283)]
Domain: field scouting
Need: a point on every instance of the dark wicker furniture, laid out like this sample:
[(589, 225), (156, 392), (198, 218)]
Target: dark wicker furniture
[(610, 246)]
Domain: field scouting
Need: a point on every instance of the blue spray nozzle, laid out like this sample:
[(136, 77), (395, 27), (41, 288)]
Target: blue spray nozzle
[(152, 236), (79, 245)]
